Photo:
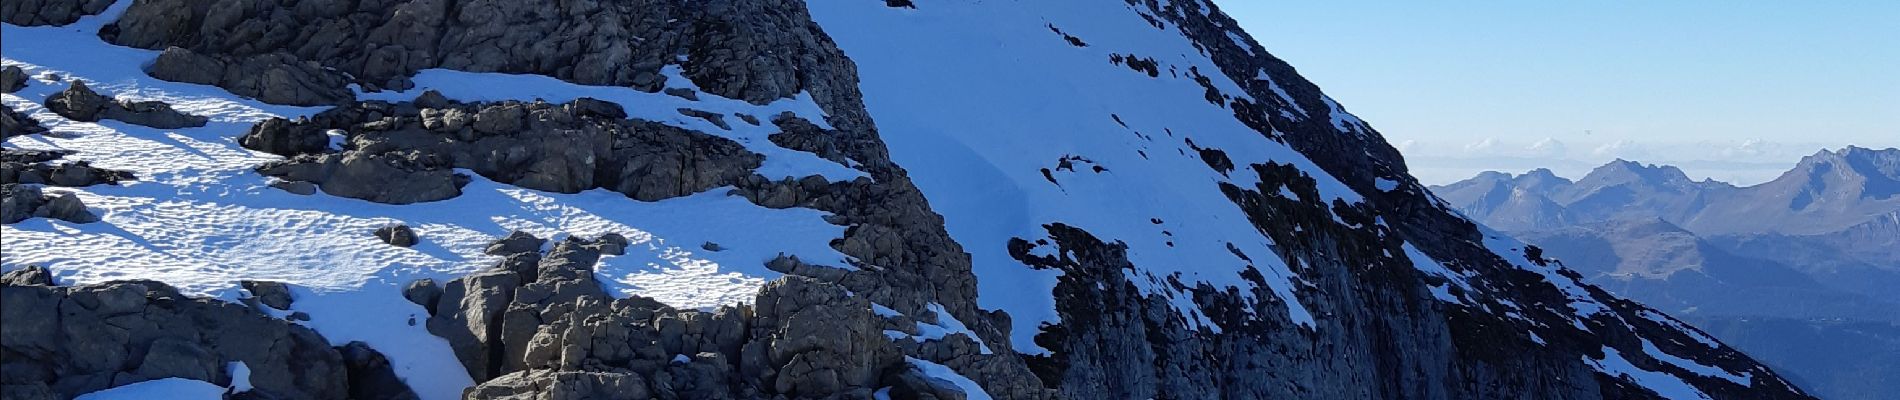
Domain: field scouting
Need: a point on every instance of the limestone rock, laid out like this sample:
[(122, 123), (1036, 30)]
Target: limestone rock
[(49, 12), (273, 294), (141, 330), (31, 275), (79, 103), (12, 79), (397, 235), (17, 124)]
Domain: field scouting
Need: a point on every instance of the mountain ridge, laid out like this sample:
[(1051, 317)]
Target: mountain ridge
[(545, 181)]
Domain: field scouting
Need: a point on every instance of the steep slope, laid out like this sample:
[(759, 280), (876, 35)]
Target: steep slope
[(1279, 251)]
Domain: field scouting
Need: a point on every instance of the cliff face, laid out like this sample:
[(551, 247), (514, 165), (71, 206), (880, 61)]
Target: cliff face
[(1010, 224)]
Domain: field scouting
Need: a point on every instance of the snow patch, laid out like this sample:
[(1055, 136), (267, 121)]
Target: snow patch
[(1666, 385), (168, 389), (1695, 367), (971, 390), (240, 376)]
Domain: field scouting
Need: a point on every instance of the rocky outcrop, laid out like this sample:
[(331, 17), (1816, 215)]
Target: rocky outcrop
[(67, 341), (276, 78), (80, 103), (34, 167), (538, 326), (19, 202), (752, 50), (49, 12), (16, 124), (397, 235), (404, 152), (12, 79)]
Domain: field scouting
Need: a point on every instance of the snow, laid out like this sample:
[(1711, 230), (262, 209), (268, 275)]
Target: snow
[(199, 219), (240, 376), (1695, 367), (947, 325), (971, 390), (1344, 121), (168, 389), (1426, 264), (997, 109), (1666, 385), (1385, 185), (1684, 328), (1240, 42)]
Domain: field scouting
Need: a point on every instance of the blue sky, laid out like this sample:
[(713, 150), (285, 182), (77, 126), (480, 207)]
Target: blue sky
[(1735, 90)]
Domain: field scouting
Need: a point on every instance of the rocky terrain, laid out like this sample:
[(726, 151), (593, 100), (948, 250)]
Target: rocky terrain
[(1320, 269)]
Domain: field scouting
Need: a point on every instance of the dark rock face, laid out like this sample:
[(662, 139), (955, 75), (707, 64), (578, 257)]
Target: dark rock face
[(397, 235), (531, 325), (74, 340), (370, 376), (34, 167), (277, 78), (49, 12), (80, 103), (12, 79), (753, 50), (17, 124), (273, 294), (402, 153), (19, 202), (31, 275)]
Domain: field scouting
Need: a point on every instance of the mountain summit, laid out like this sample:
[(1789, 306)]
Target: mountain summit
[(757, 199)]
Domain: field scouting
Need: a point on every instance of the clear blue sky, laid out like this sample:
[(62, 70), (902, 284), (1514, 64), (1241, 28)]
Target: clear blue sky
[(1647, 79)]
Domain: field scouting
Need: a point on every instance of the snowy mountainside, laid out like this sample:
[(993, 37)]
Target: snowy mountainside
[(1057, 200)]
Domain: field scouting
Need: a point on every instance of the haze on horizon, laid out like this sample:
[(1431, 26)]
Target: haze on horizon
[(1738, 92)]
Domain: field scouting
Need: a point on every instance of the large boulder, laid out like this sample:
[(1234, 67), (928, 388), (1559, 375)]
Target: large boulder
[(12, 79), (19, 202), (79, 103)]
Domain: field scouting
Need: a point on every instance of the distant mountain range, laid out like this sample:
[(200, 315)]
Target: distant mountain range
[(1814, 251), (1827, 192)]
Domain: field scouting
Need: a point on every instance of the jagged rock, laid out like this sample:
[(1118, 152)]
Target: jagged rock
[(391, 178), (31, 275), (716, 119), (757, 51), (140, 330), (552, 385), (683, 93), (276, 78), (370, 375), (19, 202), (29, 166), (563, 148), (516, 242), (423, 292), (800, 134), (12, 79), (49, 12), (17, 124), (282, 137), (273, 294), (80, 103), (710, 246), (397, 235), (813, 340)]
